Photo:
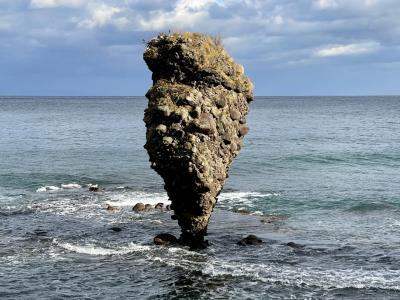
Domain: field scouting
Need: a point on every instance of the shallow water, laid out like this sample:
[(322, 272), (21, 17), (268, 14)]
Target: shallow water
[(322, 171)]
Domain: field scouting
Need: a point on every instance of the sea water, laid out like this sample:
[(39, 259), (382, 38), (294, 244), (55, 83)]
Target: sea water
[(318, 180)]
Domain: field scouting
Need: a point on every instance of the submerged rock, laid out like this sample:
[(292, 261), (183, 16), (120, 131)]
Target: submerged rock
[(111, 208), (272, 219), (40, 232), (250, 240), (195, 123), (165, 239), (295, 245), (115, 228)]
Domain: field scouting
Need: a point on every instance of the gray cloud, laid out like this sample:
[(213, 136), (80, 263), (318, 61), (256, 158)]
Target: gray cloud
[(270, 33)]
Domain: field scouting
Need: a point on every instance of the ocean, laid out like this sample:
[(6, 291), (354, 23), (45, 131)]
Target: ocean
[(318, 180)]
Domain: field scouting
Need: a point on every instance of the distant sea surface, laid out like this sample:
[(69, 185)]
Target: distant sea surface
[(318, 180)]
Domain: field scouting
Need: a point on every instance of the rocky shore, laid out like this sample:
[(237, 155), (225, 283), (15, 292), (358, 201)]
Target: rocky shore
[(195, 120)]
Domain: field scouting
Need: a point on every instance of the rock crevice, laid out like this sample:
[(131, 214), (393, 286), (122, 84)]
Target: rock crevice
[(195, 120)]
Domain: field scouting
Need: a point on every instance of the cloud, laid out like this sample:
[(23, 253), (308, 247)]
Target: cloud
[(103, 15), (4, 26), (325, 4), (186, 14), (262, 34), (56, 3), (350, 49)]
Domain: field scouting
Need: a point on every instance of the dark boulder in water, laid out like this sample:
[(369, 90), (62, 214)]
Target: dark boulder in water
[(95, 188), (195, 123), (159, 205), (40, 232), (115, 228), (250, 240), (139, 207), (165, 239), (295, 245)]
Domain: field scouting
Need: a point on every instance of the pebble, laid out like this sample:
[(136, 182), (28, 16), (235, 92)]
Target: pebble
[(235, 114), (168, 140), (161, 128), (243, 130), (220, 103)]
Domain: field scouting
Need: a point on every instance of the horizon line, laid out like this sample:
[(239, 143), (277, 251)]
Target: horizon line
[(138, 96)]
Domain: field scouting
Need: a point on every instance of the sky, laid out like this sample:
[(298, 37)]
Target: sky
[(288, 47)]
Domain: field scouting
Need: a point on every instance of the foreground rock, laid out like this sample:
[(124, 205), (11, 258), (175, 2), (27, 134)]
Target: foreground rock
[(196, 120), (250, 240), (165, 239), (139, 207), (95, 188)]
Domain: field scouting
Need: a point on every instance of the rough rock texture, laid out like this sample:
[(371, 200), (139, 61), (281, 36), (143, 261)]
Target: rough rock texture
[(196, 120)]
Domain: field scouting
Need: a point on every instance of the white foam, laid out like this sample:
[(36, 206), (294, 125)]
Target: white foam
[(278, 274), (47, 188), (241, 196), (312, 277), (129, 199), (91, 249), (257, 213), (64, 186), (69, 186), (284, 275)]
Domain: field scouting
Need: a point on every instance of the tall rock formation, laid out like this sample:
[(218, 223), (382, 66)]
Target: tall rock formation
[(196, 120)]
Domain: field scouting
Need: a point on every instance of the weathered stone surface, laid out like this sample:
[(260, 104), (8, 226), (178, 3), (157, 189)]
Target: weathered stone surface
[(197, 105)]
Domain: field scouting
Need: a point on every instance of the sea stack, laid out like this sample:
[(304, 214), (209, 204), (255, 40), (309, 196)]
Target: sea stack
[(195, 120)]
